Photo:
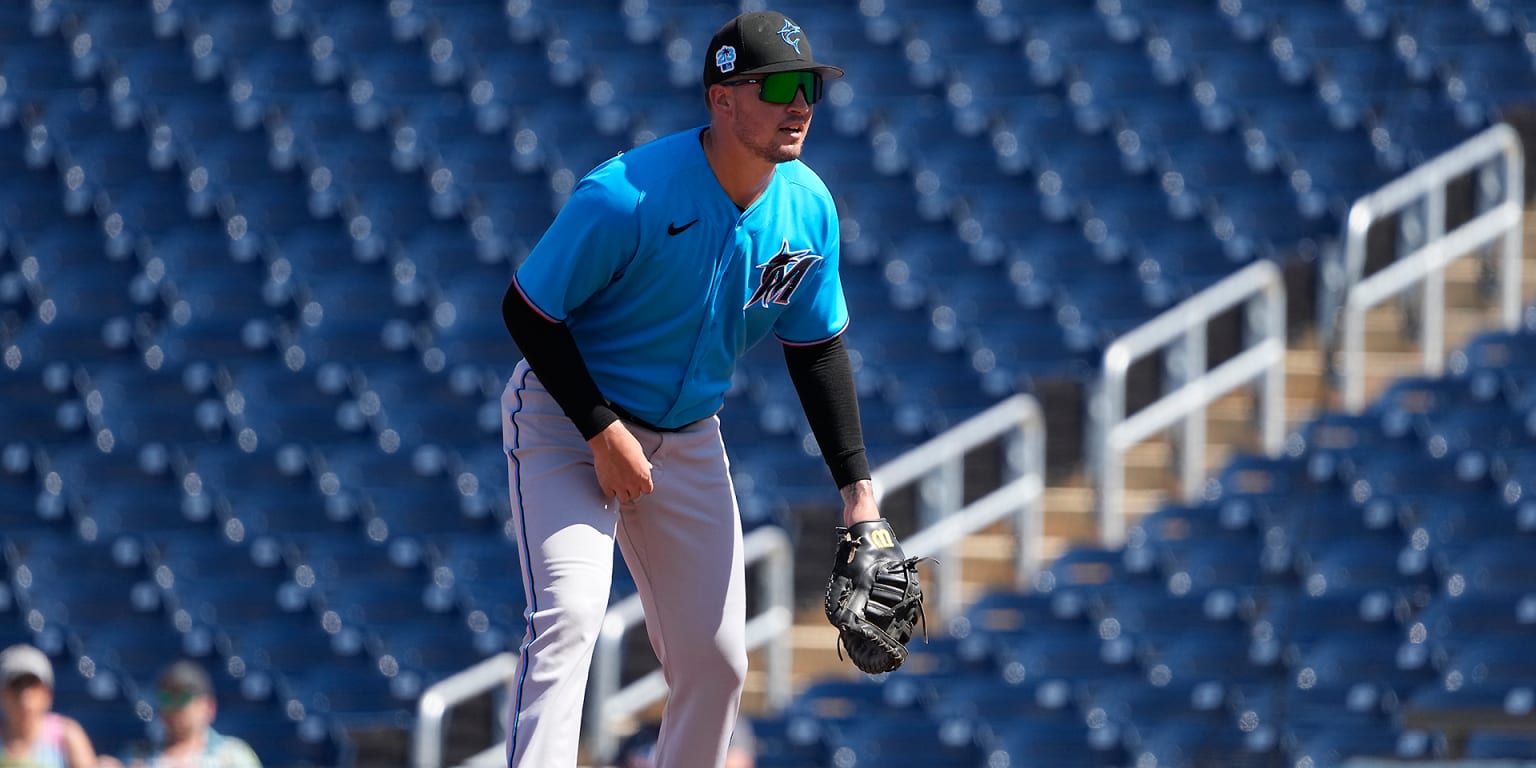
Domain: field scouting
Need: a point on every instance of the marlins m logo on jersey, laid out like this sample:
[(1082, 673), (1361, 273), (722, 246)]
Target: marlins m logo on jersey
[(781, 276)]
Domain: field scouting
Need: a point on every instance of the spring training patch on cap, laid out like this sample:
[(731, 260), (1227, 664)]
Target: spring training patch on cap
[(725, 58)]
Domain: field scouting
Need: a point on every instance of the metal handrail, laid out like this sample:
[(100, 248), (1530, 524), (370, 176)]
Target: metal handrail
[(1184, 328), (945, 518), (609, 703), (433, 706), (1426, 264)]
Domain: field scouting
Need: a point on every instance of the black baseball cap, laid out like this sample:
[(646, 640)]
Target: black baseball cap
[(761, 43)]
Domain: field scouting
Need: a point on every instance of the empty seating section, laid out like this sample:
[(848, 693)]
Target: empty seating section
[(1296, 615), (251, 262)]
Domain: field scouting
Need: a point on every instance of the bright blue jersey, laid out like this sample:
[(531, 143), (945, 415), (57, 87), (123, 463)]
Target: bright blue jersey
[(664, 282)]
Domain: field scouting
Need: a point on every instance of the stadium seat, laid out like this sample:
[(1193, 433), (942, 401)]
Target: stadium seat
[(894, 739), (40, 408), (251, 261)]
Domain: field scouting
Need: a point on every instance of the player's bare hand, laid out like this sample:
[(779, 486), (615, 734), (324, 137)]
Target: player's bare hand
[(623, 472)]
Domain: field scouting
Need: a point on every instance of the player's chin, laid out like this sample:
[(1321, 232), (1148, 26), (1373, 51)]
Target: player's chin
[(788, 148)]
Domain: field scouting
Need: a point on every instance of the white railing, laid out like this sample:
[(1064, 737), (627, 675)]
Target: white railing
[(1182, 330), (1426, 186), (432, 708), (609, 703), (944, 519)]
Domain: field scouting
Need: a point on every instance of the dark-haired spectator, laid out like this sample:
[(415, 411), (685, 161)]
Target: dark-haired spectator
[(187, 710)]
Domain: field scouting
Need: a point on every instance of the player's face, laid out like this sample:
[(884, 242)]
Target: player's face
[(773, 132)]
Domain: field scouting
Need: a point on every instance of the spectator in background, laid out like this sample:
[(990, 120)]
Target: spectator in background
[(187, 709), (32, 735)]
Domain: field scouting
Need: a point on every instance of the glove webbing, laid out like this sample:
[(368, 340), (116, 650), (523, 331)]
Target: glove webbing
[(908, 596)]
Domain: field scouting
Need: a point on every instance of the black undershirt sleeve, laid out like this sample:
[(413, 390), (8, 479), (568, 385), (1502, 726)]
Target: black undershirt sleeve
[(552, 354), (823, 378)]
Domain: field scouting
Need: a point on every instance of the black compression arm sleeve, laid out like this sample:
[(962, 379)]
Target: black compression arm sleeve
[(823, 379), (552, 354)]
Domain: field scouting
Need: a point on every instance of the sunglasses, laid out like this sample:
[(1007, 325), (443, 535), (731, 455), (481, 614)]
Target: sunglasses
[(780, 87)]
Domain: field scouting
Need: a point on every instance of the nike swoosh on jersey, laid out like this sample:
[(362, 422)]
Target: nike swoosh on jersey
[(673, 229)]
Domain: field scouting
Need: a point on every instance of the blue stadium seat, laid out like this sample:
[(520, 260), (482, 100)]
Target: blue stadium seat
[(786, 741), (397, 83), (1308, 37), (1490, 567), (1283, 623), (230, 318), (1055, 742), (449, 410), (1081, 660), (1489, 746), (1158, 536), (483, 574), (112, 722), (126, 493), (1339, 661), (279, 407), (1097, 302), (1365, 563), (892, 739), (280, 741), (467, 329), (1356, 89), (1055, 41), (1451, 621), (268, 492), (140, 406), (437, 646), (214, 581), (407, 498), (223, 37), (1419, 125), (1335, 746), (1100, 87), (1328, 176), (37, 75), (1151, 616), (1069, 173), (1198, 742), (457, 36), (343, 36), (39, 408)]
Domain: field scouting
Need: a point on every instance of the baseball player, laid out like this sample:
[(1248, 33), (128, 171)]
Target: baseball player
[(664, 266)]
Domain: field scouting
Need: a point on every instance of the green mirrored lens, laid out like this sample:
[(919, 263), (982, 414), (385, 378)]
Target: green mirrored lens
[(780, 87)]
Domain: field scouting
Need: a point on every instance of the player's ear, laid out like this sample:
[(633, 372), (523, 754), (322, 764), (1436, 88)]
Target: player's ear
[(719, 97)]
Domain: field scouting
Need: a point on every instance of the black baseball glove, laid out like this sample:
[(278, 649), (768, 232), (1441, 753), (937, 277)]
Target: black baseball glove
[(873, 598)]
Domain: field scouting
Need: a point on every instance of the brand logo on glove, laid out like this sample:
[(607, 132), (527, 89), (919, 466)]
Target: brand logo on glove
[(881, 538)]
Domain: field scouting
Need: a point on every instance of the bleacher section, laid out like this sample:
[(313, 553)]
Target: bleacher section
[(251, 259), (1324, 605)]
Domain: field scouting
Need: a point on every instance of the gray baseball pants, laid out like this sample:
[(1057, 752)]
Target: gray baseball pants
[(682, 544)]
